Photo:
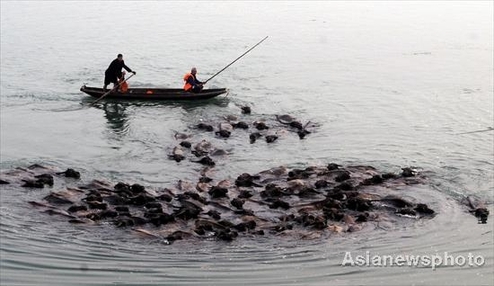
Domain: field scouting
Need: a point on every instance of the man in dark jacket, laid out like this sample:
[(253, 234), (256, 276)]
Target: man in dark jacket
[(114, 71)]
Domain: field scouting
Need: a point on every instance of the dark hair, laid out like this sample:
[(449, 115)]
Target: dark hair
[(119, 56)]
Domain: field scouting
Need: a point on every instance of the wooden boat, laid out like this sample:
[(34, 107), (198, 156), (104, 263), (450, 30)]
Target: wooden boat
[(154, 93)]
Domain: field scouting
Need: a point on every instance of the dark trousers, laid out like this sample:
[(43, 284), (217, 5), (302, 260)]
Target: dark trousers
[(112, 78), (196, 88)]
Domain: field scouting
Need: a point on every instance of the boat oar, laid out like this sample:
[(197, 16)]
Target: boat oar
[(236, 59), (111, 90), (484, 130)]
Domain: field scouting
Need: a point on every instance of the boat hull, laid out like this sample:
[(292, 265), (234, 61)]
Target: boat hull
[(154, 93)]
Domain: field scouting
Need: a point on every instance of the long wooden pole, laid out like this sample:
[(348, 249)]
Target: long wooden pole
[(108, 92), (236, 59)]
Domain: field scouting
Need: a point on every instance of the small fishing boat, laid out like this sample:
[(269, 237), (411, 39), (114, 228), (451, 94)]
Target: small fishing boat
[(154, 93), (161, 93)]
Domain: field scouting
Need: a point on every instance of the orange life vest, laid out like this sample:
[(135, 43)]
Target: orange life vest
[(124, 86), (187, 86)]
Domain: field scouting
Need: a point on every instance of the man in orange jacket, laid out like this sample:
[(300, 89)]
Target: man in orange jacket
[(124, 86), (191, 82)]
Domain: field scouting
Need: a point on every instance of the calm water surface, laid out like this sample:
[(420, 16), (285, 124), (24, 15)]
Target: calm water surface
[(391, 84)]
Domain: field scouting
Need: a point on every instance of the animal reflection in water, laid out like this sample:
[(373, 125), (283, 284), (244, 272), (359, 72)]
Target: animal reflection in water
[(302, 203)]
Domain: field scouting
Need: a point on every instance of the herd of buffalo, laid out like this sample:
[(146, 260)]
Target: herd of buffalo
[(308, 202)]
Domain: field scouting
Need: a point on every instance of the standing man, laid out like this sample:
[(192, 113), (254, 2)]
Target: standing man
[(114, 71), (191, 82)]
